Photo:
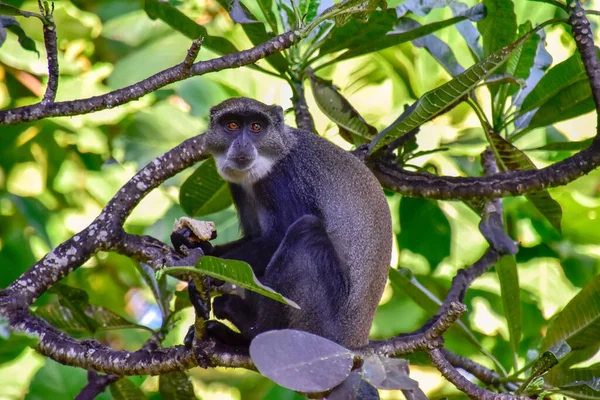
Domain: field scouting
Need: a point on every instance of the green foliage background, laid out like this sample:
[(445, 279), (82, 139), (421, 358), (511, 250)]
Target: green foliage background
[(57, 174)]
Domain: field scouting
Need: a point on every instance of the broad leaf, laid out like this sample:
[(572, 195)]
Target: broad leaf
[(506, 269), (584, 382), (565, 146), (424, 229), (467, 30), (181, 23), (388, 373), (436, 101), (95, 318), (359, 47), (546, 362), (11, 24), (499, 27), (522, 60), (355, 34), (338, 109), (205, 192), (6, 9), (579, 322), (176, 386), (237, 272), (159, 289), (570, 102), (402, 280), (348, 389), (442, 53), (301, 361), (510, 158), (255, 30), (557, 79), (125, 389)]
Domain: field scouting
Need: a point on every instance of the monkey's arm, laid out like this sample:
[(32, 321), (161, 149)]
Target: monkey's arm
[(255, 251)]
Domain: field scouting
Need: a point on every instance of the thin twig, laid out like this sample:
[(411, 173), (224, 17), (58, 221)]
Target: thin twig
[(463, 384), (50, 42), (177, 73)]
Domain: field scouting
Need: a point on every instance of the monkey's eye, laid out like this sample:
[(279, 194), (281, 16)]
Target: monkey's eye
[(256, 127), (233, 126)]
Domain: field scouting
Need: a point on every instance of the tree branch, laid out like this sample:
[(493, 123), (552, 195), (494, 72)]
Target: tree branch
[(49, 29), (504, 184), (463, 384), (177, 73), (584, 39)]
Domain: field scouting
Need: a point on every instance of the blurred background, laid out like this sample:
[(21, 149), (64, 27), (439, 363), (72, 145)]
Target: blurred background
[(57, 174)]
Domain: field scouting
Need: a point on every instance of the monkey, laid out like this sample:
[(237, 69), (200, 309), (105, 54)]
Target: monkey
[(315, 222)]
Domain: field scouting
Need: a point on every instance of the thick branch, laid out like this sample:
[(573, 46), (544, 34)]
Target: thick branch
[(121, 96), (90, 354), (303, 118), (584, 39), (106, 231), (504, 184)]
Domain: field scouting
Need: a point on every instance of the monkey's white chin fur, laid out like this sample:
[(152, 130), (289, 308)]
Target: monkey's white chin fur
[(259, 168)]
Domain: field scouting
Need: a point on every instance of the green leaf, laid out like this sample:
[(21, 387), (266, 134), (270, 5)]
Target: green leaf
[(522, 60), (181, 23), (499, 27), (424, 229), (511, 158), (107, 319), (565, 146), (374, 39), (355, 34), (125, 389), (205, 192), (579, 322), (338, 109), (558, 78), (403, 280), (361, 10), (64, 319), (256, 32), (94, 318), (11, 24), (548, 360), (437, 100), (6, 9), (237, 272), (511, 301), (159, 289), (570, 102), (584, 382), (176, 386)]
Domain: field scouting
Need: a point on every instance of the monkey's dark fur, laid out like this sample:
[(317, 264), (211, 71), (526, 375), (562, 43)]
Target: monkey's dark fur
[(316, 225)]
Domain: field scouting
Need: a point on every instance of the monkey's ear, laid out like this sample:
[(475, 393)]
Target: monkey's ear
[(277, 111)]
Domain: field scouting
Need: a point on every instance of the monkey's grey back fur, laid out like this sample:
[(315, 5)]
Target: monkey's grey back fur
[(357, 218)]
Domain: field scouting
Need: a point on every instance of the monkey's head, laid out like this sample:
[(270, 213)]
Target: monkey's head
[(246, 138)]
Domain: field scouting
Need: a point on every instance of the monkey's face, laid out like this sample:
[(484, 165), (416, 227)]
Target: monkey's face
[(242, 145)]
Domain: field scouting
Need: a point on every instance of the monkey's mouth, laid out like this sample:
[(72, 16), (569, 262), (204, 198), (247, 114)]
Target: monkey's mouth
[(240, 164)]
